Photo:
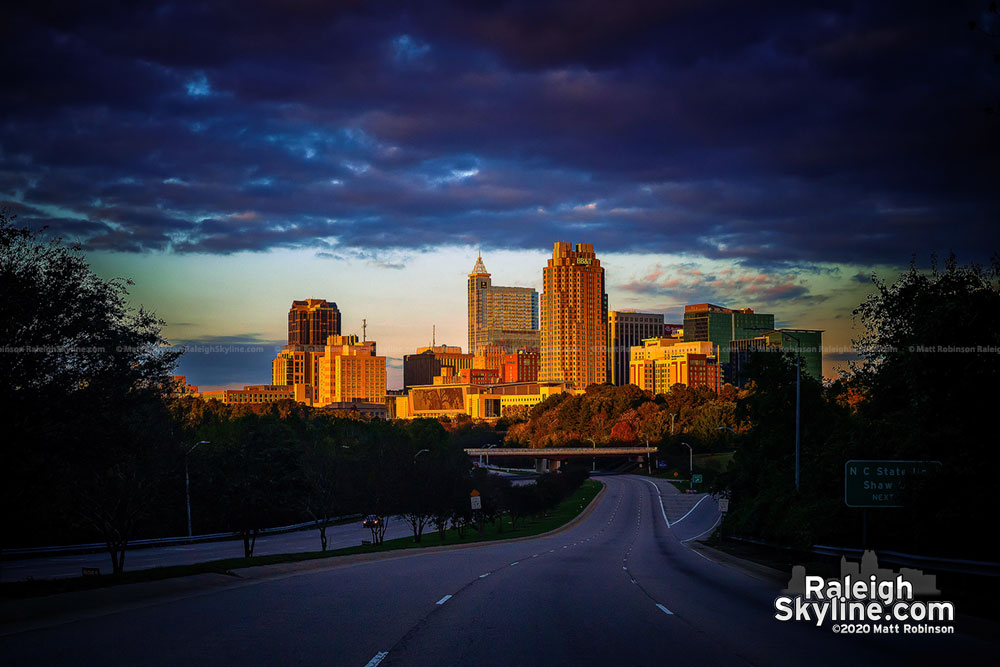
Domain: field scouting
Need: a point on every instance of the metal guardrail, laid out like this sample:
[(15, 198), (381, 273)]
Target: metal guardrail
[(958, 565), (158, 541), (962, 566)]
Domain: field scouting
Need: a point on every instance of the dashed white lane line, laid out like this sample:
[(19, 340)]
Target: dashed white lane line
[(483, 576), (443, 600), (379, 657), (515, 563), (664, 609), (534, 555)]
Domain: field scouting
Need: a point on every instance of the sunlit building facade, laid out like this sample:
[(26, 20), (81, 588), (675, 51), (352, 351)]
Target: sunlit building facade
[(500, 316), (574, 314), (660, 363), (250, 394), (312, 321), (349, 370), (521, 366)]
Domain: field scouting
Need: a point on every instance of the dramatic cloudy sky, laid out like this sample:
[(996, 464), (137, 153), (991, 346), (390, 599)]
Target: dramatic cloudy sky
[(233, 156)]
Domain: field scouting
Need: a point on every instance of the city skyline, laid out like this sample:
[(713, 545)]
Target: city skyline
[(437, 298)]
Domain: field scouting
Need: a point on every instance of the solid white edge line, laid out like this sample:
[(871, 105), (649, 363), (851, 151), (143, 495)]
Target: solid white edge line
[(379, 657), (664, 609), (443, 600), (717, 521), (704, 556), (662, 511), (691, 510)]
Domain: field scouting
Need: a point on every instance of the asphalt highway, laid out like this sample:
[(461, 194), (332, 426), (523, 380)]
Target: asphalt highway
[(622, 587)]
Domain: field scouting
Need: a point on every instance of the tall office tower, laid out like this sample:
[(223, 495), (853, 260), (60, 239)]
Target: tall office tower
[(626, 329), (504, 316), (574, 317), (312, 321)]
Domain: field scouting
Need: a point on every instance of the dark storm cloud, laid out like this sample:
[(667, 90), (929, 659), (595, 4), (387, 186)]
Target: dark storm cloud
[(771, 135)]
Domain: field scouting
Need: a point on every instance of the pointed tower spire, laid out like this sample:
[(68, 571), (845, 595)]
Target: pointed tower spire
[(479, 267)]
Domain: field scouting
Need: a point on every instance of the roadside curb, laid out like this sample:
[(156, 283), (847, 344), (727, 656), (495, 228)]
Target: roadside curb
[(747, 567), (279, 570)]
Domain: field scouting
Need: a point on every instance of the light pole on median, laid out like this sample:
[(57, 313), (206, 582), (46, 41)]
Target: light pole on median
[(187, 480), (488, 455), (593, 465)]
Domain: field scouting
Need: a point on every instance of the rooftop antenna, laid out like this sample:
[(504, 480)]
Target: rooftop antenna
[(433, 335), (364, 331)]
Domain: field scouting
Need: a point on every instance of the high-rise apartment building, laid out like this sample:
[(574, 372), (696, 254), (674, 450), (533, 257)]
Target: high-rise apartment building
[(574, 317), (348, 371), (504, 316), (312, 321), (626, 329)]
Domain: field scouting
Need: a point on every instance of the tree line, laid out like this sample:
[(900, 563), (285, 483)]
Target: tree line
[(98, 447)]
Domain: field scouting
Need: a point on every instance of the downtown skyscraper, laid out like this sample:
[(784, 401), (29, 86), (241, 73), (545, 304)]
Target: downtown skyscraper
[(574, 317), (500, 316)]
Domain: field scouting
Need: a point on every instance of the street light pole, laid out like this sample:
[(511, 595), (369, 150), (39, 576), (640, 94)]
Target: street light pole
[(690, 457), (187, 481), (488, 455), (593, 466), (798, 389), (798, 383)]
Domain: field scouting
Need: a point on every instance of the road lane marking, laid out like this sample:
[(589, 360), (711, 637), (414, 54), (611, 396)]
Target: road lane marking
[(704, 556), (664, 609), (443, 600), (690, 510), (662, 511), (515, 563), (534, 555), (707, 531), (484, 575), (379, 657)]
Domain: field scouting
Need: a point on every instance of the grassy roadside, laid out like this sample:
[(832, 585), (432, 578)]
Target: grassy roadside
[(566, 511)]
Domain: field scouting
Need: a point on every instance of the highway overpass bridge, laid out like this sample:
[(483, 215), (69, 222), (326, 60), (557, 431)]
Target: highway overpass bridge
[(550, 458)]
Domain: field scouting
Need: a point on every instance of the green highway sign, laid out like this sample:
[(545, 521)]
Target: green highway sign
[(880, 483), (696, 479)]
